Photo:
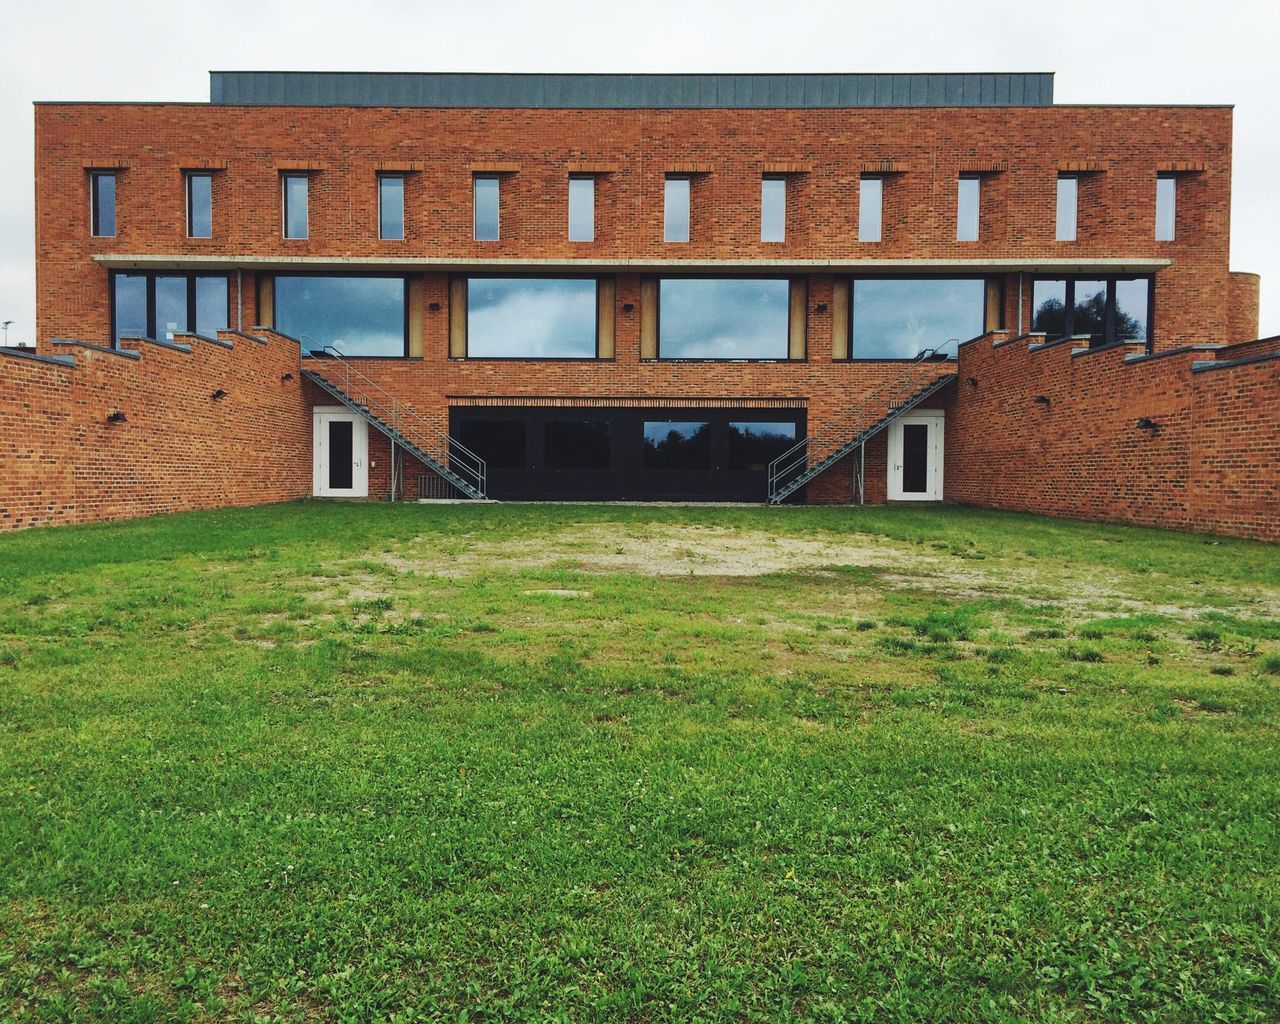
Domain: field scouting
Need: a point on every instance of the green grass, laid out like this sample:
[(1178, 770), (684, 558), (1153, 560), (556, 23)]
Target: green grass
[(569, 763)]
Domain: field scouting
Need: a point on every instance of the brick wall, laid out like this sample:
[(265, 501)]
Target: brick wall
[(179, 448), (1212, 463)]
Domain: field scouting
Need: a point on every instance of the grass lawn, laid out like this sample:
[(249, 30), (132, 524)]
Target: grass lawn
[(569, 763)]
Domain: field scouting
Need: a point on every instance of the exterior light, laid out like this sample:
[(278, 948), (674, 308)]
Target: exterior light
[(972, 381), (218, 394), (1042, 399), (434, 307), (821, 307), (117, 417), (287, 376), (1146, 423), (628, 307)]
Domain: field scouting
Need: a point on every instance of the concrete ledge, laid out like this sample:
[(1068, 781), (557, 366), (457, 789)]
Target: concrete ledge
[(1201, 365), (35, 357), (278, 334), (243, 334), (172, 346), (203, 337), (1114, 346), (125, 353), (1144, 357), (1020, 337), (1041, 346)]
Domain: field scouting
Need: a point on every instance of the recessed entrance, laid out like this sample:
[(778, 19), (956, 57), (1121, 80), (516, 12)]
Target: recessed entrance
[(341, 453), (915, 456)]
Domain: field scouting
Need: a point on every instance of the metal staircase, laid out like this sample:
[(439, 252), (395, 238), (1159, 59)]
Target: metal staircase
[(818, 452), (400, 423)]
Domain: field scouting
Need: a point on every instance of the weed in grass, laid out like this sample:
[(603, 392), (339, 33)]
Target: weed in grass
[(1208, 637), (1269, 664), (1084, 652), (1222, 670)]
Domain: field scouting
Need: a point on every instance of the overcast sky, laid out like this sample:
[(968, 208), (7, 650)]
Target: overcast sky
[(1103, 52)]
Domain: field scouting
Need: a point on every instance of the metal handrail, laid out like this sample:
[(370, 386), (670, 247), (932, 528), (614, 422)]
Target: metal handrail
[(441, 446), (799, 458)]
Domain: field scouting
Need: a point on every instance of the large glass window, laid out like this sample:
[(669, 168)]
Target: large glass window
[(357, 315), (102, 204), (1068, 207), (968, 207), (164, 305), (582, 209), (1102, 310), (773, 209), (199, 205), (723, 318), (676, 210), (531, 318), (501, 443), (669, 444), (577, 444), (390, 207), (898, 318), (485, 197), (753, 445), (1166, 207), (870, 208), (294, 191)]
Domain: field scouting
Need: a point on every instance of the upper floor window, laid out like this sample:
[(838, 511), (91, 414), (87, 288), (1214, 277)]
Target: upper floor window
[(167, 304), (1068, 207), (899, 318), (390, 207), (484, 189), (676, 209), (723, 318), (968, 207), (357, 314), (582, 209), (531, 318), (294, 195), (870, 208), (102, 204), (773, 209), (1102, 310), (1166, 207), (199, 205)]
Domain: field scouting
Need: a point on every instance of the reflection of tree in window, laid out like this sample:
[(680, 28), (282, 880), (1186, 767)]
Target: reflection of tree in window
[(752, 446), (1051, 318), (672, 445)]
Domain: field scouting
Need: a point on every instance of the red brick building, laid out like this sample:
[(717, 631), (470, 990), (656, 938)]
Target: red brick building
[(772, 287)]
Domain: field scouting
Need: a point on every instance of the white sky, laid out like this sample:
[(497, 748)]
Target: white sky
[(1122, 51)]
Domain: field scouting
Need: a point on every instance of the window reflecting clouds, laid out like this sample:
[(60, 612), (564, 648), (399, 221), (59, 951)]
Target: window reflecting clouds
[(968, 200), (390, 207), (534, 318), (485, 187), (295, 205), (1166, 207), (676, 210), (898, 318), (130, 306), (582, 209), (773, 209), (200, 205), (1068, 205), (870, 209), (358, 316), (723, 318)]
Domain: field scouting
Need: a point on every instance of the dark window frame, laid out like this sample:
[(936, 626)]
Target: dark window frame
[(883, 180), (789, 278), (976, 177), (150, 277), (404, 278), (285, 177), (1078, 178), (1109, 316), (95, 206), (496, 178), (189, 177), (850, 280), (580, 176), (687, 178), (785, 179), (517, 276), (403, 178), (1172, 178)]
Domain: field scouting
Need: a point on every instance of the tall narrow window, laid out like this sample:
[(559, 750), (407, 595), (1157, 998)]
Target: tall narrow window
[(870, 208), (390, 207), (1166, 207), (485, 197), (582, 209), (968, 207), (676, 210), (1068, 200), (102, 204), (773, 209), (294, 190), (199, 205)]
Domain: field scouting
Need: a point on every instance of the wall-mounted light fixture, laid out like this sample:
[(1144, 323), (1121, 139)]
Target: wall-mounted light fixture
[(117, 417), (287, 376), (218, 394), (628, 307), (821, 307), (434, 307), (1146, 423), (972, 381), (1042, 399)]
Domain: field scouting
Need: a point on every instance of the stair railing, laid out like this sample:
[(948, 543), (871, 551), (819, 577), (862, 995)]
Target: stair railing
[(405, 420)]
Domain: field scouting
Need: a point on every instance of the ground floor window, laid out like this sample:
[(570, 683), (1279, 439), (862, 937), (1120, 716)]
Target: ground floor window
[(1103, 309), (898, 318), (358, 315), (163, 305), (723, 318)]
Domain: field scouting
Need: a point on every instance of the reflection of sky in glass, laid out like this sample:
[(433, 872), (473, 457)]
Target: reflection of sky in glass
[(486, 208), (729, 318), (870, 209), (1166, 207), (582, 209), (783, 430), (131, 306), (657, 432), (104, 205), (773, 209), (1131, 309), (359, 316), (211, 304), (1049, 308), (295, 206), (899, 318), (200, 197), (967, 196), (676, 210), (1067, 205), (538, 318), (171, 306), (391, 207)]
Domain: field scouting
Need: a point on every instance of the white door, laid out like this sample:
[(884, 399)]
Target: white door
[(341, 443), (915, 456)]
